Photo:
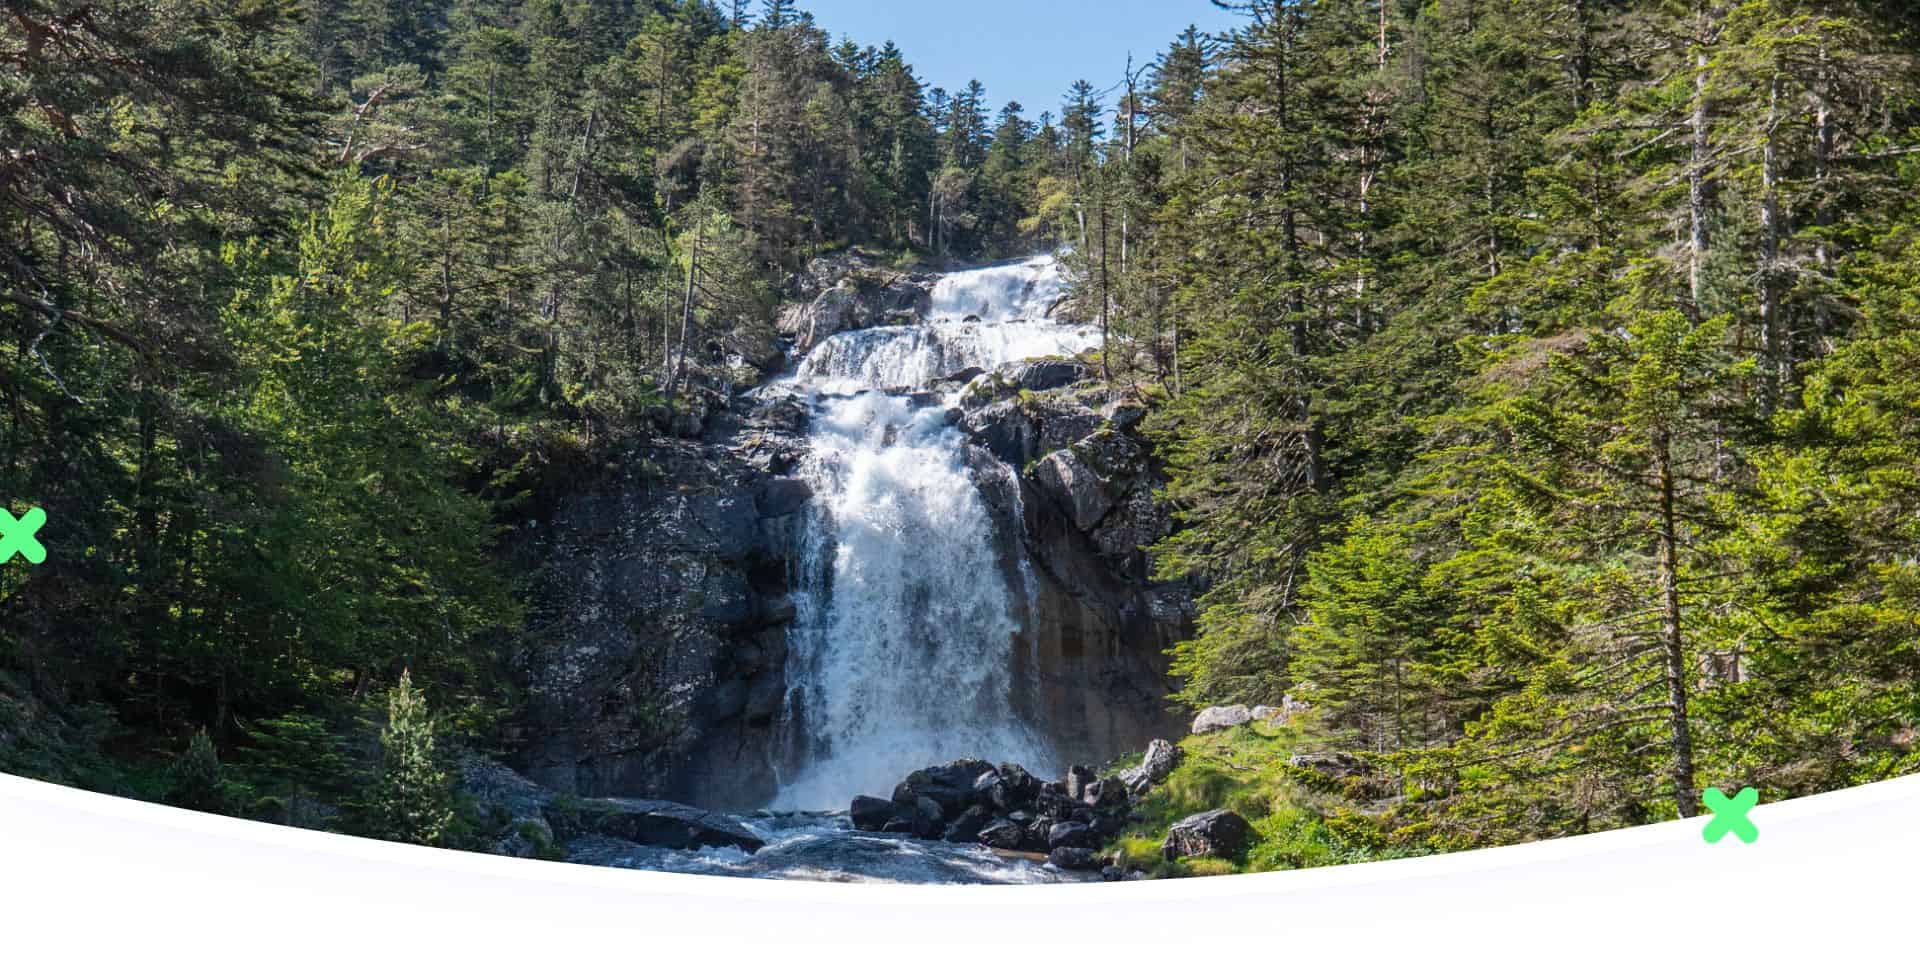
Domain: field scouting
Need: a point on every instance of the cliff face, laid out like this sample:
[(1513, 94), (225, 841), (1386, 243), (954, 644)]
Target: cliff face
[(1100, 627), (662, 604)]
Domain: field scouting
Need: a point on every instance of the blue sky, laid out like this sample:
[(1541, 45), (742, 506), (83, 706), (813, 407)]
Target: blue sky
[(1024, 50)]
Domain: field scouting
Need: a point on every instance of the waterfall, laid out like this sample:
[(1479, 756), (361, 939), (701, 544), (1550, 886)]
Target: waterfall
[(902, 653)]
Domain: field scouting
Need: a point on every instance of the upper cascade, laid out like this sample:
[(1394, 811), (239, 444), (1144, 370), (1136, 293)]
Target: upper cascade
[(980, 318), (1025, 290)]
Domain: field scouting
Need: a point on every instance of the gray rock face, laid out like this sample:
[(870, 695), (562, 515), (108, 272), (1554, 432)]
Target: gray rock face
[(1219, 833), (511, 803), (1221, 718), (662, 604), (846, 292), (1081, 500), (662, 824), (1074, 488)]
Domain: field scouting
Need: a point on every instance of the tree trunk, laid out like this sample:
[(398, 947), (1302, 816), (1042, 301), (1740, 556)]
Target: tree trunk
[(1672, 638), (1698, 186), (1773, 329), (686, 311)]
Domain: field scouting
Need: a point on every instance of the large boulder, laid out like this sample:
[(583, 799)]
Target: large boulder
[(1160, 760), (951, 786), (783, 497), (1078, 778), (872, 814), (1073, 486), (968, 826), (1107, 794), (1220, 833), (1040, 375), (1330, 764), (1220, 718), (668, 825), (1074, 860), (1014, 788), (1071, 835), (512, 805), (1003, 834), (847, 293)]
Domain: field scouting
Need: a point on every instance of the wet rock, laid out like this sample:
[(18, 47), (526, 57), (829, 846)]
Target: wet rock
[(1037, 835), (783, 497), (872, 814), (1220, 833), (847, 292), (765, 696), (950, 785), (928, 818), (1016, 788), (967, 827), (1113, 873), (1107, 793), (724, 701), (1041, 375), (668, 825), (1071, 835), (1221, 718), (1073, 859), (1078, 778), (1003, 834)]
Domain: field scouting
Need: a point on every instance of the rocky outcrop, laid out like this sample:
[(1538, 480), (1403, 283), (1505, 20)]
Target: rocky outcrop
[(1161, 759), (1220, 718), (1081, 498), (668, 825), (1219, 833), (513, 807), (1004, 807), (524, 819), (847, 292), (658, 666)]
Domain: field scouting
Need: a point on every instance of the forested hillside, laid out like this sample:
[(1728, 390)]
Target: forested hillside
[(305, 302), (1538, 381)]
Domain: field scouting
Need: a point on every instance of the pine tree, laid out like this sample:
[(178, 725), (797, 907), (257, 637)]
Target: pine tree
[(196, 779), (412, 801)]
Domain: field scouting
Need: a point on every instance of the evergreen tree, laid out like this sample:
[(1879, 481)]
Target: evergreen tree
[(412, 801)]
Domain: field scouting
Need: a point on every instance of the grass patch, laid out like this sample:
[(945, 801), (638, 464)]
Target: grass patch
[(1297, 823)]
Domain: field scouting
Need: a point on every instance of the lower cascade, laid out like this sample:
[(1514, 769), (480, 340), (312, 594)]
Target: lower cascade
[(905, 648)]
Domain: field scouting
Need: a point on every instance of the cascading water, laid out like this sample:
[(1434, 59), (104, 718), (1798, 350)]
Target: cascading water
[(904, 647)]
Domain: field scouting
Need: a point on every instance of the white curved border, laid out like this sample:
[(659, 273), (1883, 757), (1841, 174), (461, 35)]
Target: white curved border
[(90, 878)]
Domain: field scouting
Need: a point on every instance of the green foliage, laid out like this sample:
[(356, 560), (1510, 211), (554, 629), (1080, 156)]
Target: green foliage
[(412, 799), (196, 779), (1531, 407), (1246, 769)]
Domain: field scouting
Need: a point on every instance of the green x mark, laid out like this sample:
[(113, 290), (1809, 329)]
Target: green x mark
[(1730, 815), (16, 536)]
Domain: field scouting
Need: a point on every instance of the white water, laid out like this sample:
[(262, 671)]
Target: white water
[(902, 653)]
